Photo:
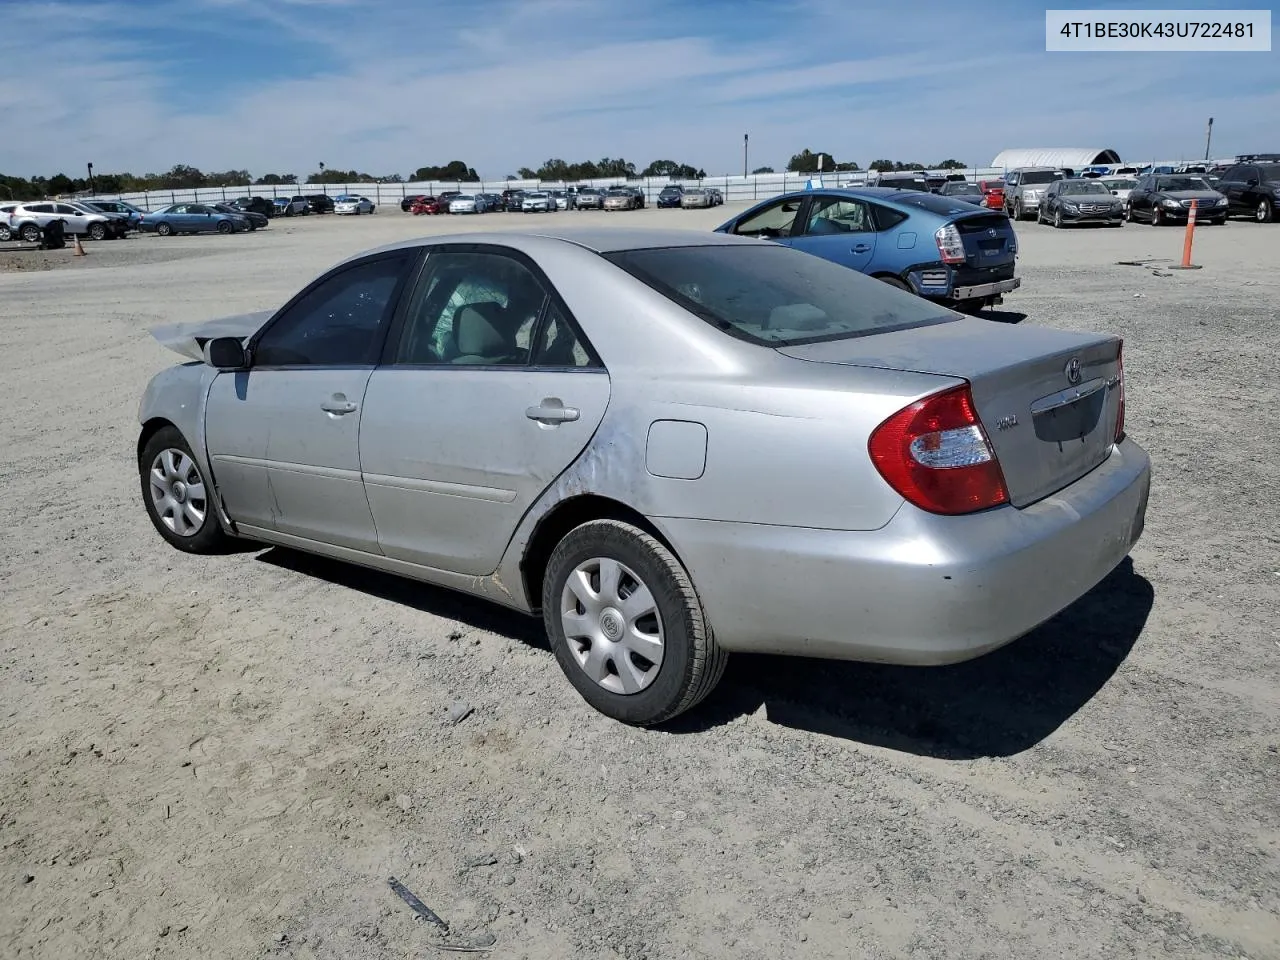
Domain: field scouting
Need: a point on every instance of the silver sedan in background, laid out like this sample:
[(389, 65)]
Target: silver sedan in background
[(669, 445)]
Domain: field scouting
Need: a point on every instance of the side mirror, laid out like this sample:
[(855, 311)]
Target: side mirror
[(1252, 181), (226, 353)]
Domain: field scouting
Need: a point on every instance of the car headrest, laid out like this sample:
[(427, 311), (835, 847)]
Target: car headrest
[(478, 330)]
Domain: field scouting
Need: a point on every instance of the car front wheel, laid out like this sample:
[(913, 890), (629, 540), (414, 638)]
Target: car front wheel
[(626, 625), (1263, 213), (178, 499)]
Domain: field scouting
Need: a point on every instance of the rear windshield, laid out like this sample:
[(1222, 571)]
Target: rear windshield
[(967, 188), (776, 296), (934, 203)]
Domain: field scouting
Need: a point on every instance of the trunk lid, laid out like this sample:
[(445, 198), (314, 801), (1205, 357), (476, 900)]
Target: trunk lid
[(988, 238), (1047, 428)]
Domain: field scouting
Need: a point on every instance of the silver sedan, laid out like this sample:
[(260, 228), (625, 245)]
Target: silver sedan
[(669, 445)]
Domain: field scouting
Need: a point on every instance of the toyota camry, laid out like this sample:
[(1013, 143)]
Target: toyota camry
[(668, 445)]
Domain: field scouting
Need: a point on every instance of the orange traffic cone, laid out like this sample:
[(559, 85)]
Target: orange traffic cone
[(79, 247)]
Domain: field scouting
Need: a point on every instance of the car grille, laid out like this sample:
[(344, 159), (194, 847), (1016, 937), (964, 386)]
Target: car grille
[(1094, 207)]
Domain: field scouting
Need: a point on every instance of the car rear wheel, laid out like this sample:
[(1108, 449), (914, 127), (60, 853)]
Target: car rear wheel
[(1263, 213), (164, 229), (30, 232), (626, 625), (896, 282), (178, 500), (97, 231), (1017, 209)]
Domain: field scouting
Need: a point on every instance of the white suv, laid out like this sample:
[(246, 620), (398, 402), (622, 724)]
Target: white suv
[(5, 210), (28, 219)]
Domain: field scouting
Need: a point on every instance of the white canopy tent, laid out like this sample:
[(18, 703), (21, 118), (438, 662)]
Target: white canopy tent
[(1073, 157)]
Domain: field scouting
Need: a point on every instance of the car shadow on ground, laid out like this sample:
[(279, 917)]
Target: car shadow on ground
[(1004, 316), (997, 705), (468, 611)]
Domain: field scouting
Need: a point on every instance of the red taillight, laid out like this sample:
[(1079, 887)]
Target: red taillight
[(1120, 374), (936, 454), (950, 244)]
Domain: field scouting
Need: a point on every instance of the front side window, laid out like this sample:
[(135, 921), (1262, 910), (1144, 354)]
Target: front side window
[(776, 220), (338, 322), (775, 295), (473, 309)]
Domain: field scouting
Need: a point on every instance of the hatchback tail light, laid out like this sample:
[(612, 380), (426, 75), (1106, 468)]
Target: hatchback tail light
[(936, 454), (1120, 374), (950, 244)]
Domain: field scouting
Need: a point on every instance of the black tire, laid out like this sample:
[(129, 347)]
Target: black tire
[(1017, 210), (1157, 218), (226, 226), (30, 232), (164, 229), (1264, 213), (692, 662), (896, 282), (5, 233), (1057, 219), (972, 308), (1128, 212), (1218, 221), (97, 231), (208, 537)]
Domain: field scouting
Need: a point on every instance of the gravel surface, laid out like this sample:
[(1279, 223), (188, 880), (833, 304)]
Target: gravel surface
[(229, 757)]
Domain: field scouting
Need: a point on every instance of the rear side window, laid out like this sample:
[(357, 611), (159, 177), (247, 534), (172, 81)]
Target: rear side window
[(776, 296)]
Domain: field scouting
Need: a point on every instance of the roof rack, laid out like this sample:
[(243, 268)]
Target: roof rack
[(1254, 157)]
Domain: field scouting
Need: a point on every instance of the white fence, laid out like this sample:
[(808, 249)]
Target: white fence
[(743, 189)]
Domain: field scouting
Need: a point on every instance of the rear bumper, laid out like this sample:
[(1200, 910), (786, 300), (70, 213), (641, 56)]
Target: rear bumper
[(984, 290), (923, 589)]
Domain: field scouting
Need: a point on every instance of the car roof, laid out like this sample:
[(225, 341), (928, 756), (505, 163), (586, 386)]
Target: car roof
[(596, 239)]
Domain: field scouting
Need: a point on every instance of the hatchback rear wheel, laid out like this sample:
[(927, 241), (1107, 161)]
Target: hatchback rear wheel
[(626, 625)]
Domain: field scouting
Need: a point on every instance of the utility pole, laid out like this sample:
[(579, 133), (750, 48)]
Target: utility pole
[(92, 188), (1208, 139), (744, 156)]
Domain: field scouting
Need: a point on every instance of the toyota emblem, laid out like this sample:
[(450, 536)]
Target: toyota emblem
[(1073, 371)]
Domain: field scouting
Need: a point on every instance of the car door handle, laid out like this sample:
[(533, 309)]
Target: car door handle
[(861, 247), (338, 405), (552, 410)]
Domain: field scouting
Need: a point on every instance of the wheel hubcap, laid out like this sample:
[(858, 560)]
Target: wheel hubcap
[(177, 492), (612, 625)]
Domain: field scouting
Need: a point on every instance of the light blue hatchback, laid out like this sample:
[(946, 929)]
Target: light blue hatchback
[(937, 247)]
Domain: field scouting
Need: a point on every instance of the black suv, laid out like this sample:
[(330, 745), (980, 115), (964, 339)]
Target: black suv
[(1252, 188), (255, 205), (320, 203)]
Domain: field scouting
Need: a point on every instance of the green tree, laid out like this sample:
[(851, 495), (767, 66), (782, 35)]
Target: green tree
[(277, 179), (669, 168), (952, 165), (759, 170), (453, 170), (806, 161)]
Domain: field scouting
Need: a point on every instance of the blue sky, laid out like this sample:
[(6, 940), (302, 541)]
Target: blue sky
[(389, 85)]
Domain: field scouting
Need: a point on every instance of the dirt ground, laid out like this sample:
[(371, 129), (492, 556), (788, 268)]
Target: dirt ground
[(229, 757)]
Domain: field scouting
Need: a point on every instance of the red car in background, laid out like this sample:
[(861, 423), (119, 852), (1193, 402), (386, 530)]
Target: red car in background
[(428, 205), (992, 193)]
